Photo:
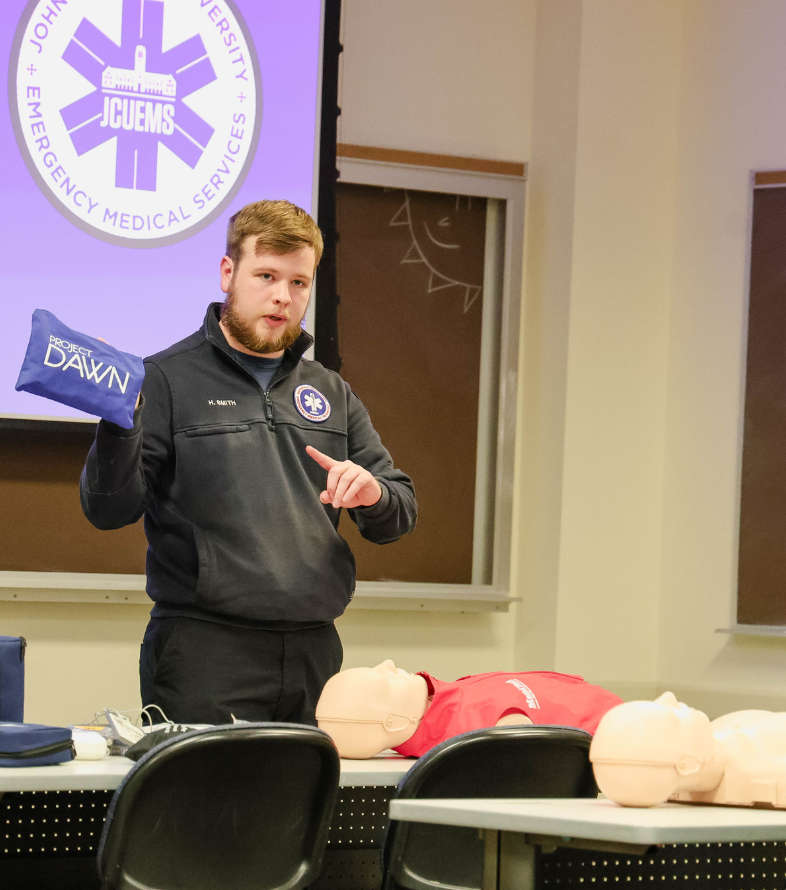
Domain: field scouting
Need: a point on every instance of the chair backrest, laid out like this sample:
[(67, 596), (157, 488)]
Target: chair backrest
[(243, 806), (505, 761)]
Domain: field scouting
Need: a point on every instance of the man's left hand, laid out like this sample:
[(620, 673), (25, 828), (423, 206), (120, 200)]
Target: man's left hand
[(348, 485)]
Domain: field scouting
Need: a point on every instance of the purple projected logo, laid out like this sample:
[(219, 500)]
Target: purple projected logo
[(139, 94), (137, 118)]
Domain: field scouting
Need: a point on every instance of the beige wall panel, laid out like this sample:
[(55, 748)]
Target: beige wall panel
[(732, 123), (450, 76), (80, 658), (445, 644), (609, 580), (545, 317)]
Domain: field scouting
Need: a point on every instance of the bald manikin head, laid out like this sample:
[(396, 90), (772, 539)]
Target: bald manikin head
[(365, 710), (644, 752)]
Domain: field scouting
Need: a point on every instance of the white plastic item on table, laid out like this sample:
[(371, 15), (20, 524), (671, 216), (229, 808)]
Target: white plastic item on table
[(88, 745)]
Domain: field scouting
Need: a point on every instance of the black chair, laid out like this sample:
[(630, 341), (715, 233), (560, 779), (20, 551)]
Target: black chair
[(506, 761), (241, 807)]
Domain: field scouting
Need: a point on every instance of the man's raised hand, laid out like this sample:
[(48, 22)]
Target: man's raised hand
[(348, 485)]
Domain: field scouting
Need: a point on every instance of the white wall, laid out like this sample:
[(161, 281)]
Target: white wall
[(601, 191), (617, 342), (81, 658), (445, 76), (446, 644), (543, 361), (634, 334), (731, 123)]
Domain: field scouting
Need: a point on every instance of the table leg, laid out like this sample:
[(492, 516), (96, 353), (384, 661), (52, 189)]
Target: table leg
[(516, 862), (490, 859), (508, 861)]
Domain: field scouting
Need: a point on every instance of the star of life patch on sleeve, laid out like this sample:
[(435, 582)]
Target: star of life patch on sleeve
[(311, 404)]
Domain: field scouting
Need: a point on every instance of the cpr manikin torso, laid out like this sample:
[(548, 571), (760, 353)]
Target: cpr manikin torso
[(647, 752), (367, 710)]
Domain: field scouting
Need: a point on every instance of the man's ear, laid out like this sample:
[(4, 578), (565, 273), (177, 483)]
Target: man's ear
[(227, 268)]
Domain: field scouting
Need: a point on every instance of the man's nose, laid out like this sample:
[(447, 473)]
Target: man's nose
[(282, 294)]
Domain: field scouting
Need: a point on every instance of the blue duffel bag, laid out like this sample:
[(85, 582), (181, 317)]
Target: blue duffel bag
[(31, 744), (80, 371), (12, 679)]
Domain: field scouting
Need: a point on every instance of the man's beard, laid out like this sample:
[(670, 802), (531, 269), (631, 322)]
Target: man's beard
[(246, 335)]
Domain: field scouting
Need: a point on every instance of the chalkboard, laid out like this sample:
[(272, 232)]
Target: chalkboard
[(761, 595), (42, 527), (410, 285)]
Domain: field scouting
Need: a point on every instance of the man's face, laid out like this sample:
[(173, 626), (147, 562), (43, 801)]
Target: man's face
[(267, 296)]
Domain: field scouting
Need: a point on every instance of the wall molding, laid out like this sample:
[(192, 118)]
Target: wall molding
[(515, 169), (90, 587)]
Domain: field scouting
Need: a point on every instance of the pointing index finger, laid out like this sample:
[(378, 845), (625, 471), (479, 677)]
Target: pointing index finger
[(327, 463)]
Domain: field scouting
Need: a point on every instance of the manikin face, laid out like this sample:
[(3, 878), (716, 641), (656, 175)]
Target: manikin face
[(399, 682), (366, 710), (695, 744), (267, 296), (377, 694), (643, 752)]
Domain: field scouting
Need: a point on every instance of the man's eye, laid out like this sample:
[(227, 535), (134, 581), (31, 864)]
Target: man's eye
[(299, 283), (266, 276)]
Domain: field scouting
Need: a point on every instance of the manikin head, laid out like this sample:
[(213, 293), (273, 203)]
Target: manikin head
[(644, 752), (366, 710), (273, 248)]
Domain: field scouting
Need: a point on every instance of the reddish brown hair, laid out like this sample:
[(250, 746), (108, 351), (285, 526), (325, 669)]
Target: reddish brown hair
[(279, 226)]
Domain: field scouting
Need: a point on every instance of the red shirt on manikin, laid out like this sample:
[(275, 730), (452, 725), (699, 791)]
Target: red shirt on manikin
[(479, 702)]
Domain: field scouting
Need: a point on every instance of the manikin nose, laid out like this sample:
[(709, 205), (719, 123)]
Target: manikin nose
[(387, 667)]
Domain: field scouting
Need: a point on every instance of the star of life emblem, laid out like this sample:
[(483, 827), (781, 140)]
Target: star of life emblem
[(311, 404), (138, 119)]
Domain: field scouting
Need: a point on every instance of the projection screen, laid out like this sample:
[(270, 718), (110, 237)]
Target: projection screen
[(133, 130)]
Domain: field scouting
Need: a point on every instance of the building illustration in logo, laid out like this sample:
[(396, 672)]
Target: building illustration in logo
[(141, 71), (138, 80)]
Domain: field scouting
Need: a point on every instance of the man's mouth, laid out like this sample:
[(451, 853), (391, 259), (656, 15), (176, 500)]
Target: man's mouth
[(275, 320)]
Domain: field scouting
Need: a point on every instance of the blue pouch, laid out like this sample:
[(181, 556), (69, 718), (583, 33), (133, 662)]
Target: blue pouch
[(80, 371), (31, 744), (12, 679)]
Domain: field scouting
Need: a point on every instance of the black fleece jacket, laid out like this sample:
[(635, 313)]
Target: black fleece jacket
[(230, 498)]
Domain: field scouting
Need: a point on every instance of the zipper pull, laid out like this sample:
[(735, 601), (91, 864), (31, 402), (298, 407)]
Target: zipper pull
[(269, 409), (22, 647)]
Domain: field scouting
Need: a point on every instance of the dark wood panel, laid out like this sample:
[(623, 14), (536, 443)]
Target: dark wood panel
[(762, 555), (409, 322), (428, 159), (770, 177), (42, 527)]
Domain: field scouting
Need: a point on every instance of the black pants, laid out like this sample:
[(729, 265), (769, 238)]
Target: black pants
[(202, 672)]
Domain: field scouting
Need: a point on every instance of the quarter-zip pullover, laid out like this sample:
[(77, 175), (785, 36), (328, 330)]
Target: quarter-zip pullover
[(230, 498)]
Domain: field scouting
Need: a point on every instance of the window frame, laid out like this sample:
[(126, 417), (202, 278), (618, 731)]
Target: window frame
[(511, 190)]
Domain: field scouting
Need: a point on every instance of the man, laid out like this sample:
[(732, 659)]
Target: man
[(241, 457)]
